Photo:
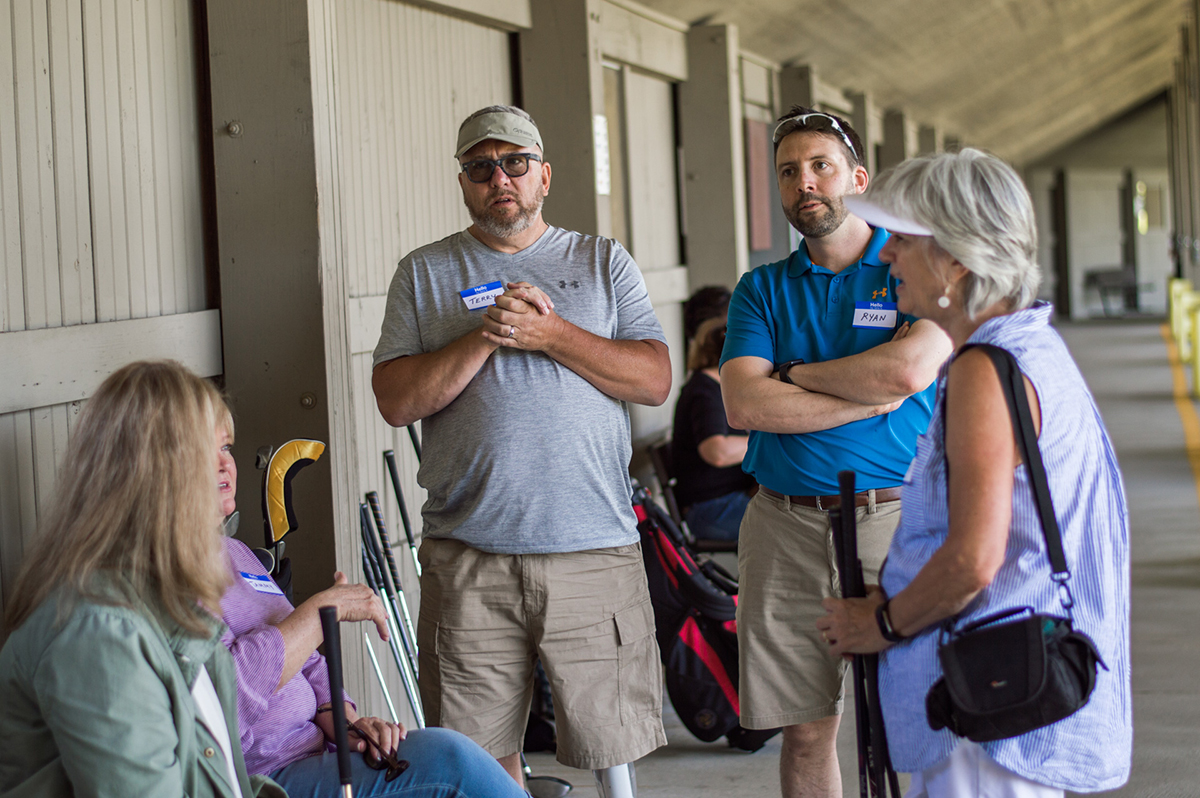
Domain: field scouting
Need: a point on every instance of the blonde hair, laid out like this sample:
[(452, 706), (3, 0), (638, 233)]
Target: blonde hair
[(136, 495)]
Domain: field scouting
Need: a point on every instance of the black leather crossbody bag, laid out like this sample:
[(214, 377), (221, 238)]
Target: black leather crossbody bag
[(1003, 678)]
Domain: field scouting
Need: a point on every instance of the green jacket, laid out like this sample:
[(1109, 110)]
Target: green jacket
[(101, 705)]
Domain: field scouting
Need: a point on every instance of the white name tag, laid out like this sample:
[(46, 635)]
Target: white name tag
[(875, 315), (261, 583), (482, 296)]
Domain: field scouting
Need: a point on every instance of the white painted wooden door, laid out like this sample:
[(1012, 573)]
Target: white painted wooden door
[(100, 223)]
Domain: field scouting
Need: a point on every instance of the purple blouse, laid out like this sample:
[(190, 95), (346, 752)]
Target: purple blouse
[(276, 727)]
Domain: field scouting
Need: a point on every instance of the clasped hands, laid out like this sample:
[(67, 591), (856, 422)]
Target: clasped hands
[(522, 318)]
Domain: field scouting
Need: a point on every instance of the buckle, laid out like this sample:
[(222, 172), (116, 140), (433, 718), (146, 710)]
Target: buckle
[(1064, 590)]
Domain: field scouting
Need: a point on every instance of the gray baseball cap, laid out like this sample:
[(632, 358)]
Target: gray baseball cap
[(498, 125)]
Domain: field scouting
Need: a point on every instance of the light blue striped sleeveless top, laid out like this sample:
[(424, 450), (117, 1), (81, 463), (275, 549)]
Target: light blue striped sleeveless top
[(1091, 749)]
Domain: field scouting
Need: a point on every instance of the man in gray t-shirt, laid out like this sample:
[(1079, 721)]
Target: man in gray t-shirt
[(518, 345)]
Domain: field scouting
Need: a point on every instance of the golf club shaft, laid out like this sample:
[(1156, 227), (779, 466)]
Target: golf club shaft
[(381, 527), (389, 457), (877, 777), (374, 576), (333, 661), (403, 664), (388, 591), (387, 695), (416, 441)]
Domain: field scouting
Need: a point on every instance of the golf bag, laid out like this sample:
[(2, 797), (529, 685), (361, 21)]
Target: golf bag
[(694, 602)]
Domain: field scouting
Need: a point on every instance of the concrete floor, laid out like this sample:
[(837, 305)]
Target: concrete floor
[(1125, 363)]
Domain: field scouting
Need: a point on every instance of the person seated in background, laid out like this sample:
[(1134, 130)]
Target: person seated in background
[(114, 679), (706, 303), (283, 687), (711, 488)]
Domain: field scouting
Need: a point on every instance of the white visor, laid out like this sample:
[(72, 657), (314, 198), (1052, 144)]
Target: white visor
[(876, 216)]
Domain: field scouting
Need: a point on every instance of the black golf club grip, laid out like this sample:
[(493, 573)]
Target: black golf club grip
[(370, 555), (852, 575), (416, 442), (377, 513), (333, 661), (389, 458)]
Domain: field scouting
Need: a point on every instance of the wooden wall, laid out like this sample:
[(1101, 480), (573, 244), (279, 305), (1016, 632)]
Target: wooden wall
[(100, 219)]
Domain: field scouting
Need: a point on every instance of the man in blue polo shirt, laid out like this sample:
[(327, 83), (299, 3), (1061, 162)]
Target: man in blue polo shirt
[(826, 375)]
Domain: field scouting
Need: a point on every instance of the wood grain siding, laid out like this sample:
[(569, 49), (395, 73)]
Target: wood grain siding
[(99, 212), (391, 84), (144, 153), (55, 365), (635, 35)]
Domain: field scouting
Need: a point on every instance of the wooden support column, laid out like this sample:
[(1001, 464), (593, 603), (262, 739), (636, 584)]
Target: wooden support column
[(929, 140), (868, 124), (563, 90), (1176, 149), (797, 86), (710, 112), (899, 139), (267, 241), (1191, 106)]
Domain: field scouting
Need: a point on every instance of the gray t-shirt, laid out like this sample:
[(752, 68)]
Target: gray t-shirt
[(530, 457)]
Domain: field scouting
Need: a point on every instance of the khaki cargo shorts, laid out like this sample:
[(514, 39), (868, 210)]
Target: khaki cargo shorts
[(786, 566), (487, 618)]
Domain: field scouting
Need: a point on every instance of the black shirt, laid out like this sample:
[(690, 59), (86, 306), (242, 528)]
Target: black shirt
[(699, 415)]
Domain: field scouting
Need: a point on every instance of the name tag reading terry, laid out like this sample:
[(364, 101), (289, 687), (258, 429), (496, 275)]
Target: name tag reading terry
[(482, 296), (261, 583), (875, 315)]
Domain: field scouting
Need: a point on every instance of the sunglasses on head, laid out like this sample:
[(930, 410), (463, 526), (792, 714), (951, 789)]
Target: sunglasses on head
[(383, 760), (480, 170), (800, 121)]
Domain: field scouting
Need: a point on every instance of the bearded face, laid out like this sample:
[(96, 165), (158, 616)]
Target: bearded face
[(509, 210), (816, 216), (814, 175)]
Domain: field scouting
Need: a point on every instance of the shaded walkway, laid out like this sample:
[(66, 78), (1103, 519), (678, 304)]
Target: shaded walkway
[(1126, 366)]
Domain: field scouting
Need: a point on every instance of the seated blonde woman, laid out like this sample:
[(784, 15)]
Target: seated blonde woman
[(114, 678)]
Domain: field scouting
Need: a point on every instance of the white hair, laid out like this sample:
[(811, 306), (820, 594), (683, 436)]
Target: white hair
[(980, 213)]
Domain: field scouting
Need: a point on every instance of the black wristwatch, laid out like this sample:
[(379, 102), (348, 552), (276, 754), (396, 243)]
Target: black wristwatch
[(783, 370), (884, 619)]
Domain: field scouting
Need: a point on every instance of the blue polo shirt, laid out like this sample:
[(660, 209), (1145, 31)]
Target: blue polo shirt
[(797, 310)]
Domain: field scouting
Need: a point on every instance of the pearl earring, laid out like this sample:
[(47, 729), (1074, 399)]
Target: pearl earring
[(944, 299)]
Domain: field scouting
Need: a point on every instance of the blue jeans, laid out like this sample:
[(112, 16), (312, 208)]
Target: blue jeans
[(719, 518), (442, 764)]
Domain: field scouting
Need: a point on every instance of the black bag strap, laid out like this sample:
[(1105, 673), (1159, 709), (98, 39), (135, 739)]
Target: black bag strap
[(1013, 385)]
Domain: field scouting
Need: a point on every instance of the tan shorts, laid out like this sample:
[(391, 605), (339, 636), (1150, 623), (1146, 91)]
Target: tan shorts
[(487, 618), (786, 566)]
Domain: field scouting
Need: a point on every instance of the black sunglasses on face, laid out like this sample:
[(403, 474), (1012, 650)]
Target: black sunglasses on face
[(480, 170), (384, 761)]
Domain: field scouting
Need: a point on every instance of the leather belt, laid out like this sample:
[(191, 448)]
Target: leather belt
[(882, 496)]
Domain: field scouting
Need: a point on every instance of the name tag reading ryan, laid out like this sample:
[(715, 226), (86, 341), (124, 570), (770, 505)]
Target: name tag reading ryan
[(875, 315), (482, 296)]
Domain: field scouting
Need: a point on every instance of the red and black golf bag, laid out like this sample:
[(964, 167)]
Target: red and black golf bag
[(694, 601)]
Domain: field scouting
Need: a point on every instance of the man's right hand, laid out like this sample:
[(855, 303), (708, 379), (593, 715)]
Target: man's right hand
[(414, 387)]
